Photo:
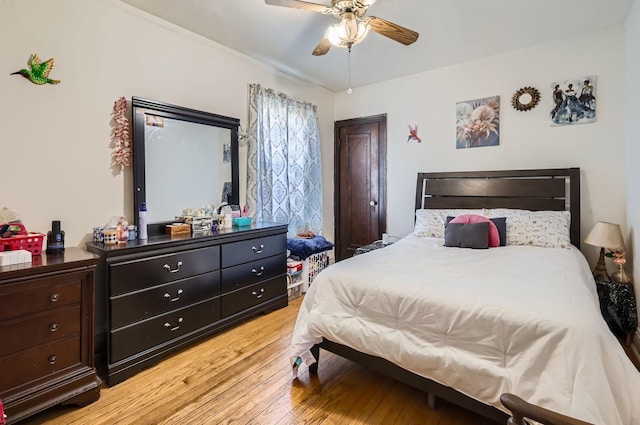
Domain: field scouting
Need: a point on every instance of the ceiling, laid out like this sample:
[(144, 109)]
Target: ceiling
[(451, 31)]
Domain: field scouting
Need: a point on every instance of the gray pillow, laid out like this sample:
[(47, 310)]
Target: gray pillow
[(467, 235), (501, 225)]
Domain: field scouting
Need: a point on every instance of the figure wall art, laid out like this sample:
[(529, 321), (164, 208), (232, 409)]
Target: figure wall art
[(574, 101), (478, 123)]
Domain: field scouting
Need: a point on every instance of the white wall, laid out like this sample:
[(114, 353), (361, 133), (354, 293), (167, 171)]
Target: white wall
[(526, 138), (55, 139), (632, 235)]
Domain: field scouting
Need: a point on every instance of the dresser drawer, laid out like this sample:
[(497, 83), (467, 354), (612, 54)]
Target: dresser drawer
[(254, 249), (139, 274), (23, 367), (150, 333), (141, 305), (242, 299), (37, 296), (251, 273), (39, 329)]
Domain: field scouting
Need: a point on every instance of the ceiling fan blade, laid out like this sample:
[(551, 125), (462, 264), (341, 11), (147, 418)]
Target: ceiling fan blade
[(299, 4), (322, 48), (367, 3), (393, 31)]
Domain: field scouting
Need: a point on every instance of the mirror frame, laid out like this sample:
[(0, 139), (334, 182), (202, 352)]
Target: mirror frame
[(138, 108), (517, 103)]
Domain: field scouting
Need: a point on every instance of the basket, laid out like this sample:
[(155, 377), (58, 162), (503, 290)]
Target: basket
[(31, 242), (313, 265)]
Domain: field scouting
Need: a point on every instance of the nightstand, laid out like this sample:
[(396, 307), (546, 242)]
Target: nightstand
[(618, 306), (371, 247)]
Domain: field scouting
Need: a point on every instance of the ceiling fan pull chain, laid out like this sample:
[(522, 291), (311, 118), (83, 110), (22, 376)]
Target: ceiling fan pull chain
[(349, 91)]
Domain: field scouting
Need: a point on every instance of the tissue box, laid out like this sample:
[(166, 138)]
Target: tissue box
[(19, 256)]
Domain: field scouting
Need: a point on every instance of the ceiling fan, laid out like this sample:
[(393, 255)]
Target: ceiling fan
[(353, 26)]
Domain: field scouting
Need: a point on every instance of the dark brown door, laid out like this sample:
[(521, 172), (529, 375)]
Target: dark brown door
[(360, 179)]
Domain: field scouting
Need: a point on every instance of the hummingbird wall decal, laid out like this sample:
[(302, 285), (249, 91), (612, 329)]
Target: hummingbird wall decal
[(38, 72), (413, 134)]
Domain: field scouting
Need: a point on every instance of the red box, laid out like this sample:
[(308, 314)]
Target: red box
[(31, 242), (294, 267)]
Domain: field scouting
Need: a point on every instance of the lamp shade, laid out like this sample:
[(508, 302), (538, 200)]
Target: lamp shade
[(348, 32), (606, 235)]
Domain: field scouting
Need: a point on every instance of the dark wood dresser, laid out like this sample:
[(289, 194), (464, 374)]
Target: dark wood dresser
[(46, 333), (157, 296)]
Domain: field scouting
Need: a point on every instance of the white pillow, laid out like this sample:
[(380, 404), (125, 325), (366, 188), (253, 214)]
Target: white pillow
[(536, 228), (430, 223)]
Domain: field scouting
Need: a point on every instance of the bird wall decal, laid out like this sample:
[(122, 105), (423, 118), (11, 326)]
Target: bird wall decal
[(39, 71), (413, 134)]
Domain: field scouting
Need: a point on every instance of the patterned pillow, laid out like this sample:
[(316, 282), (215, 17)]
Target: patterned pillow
[(536, 228), (430, 223)]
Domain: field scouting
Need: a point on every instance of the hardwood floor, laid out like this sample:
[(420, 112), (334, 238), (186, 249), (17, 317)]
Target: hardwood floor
[(243, 376)]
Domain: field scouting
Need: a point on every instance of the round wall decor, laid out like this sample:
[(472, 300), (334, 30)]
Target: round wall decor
[(525, 99)]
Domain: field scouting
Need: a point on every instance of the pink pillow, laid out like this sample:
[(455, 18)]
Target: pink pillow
[(494, 236)]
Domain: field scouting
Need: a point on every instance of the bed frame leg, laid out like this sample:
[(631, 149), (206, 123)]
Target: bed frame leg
[(315, 351), (431, 401)]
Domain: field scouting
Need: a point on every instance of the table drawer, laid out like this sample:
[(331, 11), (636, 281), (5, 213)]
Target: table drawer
[(139, 274), (253, 249), (251, 296), (39, 329), (150, 333), (141, 305), (23, 367), (40, 295), (250, 273)]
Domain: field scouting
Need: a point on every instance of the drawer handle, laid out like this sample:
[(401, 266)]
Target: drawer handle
[(177, 269), (53, 359), (258, 273), (53, 327), (258, 295), (173, 328), (54, 297), (257, 250), (168, 296)]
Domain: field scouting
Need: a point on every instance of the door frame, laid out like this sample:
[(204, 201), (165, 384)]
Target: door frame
[(381, 120)]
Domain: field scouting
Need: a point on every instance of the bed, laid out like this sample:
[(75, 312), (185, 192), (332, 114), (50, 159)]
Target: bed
[(467, 325)]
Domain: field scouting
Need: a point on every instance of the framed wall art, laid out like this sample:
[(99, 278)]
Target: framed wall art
[(478, 123), (574, 101)]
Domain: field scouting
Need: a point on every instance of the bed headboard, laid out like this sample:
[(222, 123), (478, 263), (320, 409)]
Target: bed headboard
[(543, 189)]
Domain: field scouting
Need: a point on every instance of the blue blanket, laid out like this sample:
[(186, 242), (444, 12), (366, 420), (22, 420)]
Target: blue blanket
[(304, 248)]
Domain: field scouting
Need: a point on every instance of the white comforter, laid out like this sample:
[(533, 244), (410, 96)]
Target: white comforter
[(513, 319)]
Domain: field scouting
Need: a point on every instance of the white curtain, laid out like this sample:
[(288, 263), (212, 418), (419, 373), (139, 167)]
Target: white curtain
[(284, 173)]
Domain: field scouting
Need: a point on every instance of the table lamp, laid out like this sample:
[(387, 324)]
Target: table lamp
[(608, 236)]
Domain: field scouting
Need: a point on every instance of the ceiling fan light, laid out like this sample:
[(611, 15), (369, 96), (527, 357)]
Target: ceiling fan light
[(347, 32)]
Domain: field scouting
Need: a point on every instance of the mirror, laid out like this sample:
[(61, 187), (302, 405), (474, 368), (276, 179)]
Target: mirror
[(525, 99), (182, 158)]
